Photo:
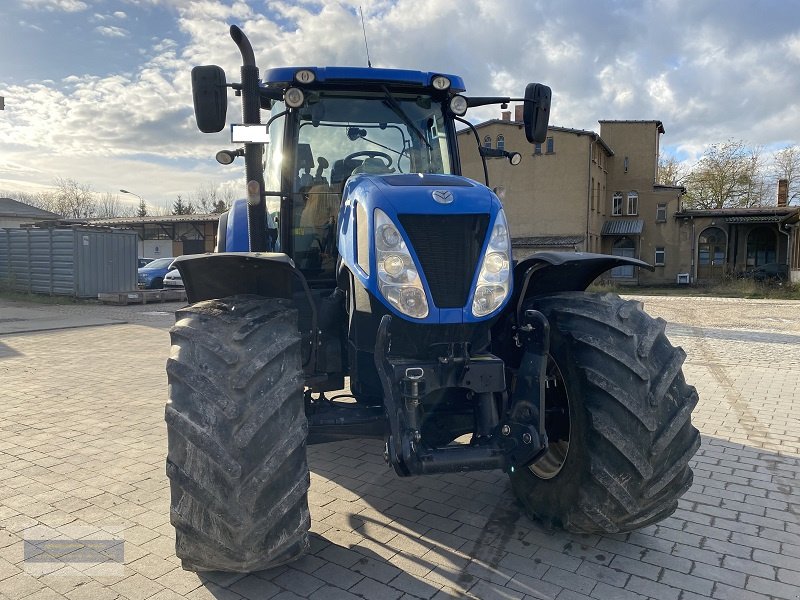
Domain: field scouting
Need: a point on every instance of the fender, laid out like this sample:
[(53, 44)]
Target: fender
[(549, 272), (222, 274)]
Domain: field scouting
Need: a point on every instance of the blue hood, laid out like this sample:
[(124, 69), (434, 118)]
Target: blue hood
[(404, 198)]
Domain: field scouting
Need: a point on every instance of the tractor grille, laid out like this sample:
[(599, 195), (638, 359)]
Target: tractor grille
[(448, 247)]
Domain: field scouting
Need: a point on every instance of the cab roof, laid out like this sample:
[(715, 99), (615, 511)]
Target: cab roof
[(361, 75)]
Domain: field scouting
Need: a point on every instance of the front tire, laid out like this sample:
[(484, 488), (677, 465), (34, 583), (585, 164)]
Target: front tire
[(236, 431), (620, 460)]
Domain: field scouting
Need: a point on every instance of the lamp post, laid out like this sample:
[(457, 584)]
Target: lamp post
[(141, 200)]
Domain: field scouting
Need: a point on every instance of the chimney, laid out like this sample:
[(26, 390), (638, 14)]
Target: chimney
[(518, 112), (506, 114), (783, 192)]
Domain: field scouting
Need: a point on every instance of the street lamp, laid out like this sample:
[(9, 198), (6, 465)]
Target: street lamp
[(132, 194), (141, 200)]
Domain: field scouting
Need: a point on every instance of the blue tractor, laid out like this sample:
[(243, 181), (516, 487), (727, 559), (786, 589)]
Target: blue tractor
[(362, 259)]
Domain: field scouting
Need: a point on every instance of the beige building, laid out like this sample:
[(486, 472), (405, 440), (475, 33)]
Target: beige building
[(589, 192)]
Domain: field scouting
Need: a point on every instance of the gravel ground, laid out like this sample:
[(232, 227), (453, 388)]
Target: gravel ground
[(726, 313)]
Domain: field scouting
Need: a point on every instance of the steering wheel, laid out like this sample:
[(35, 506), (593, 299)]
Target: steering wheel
[(371, 154)]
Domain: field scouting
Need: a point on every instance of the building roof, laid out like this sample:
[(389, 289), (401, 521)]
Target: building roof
[(655, 122), (660, 187), (763, 214), (623, 227), (595, 137), (203, 218), (755, 219), (547, 240), (20, 210)]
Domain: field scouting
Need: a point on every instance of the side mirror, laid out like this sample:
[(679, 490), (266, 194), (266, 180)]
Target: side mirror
[(210, 97), (536, 112)]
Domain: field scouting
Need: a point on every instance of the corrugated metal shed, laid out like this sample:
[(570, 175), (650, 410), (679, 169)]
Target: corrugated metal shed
[(80, 261), (623, 227)]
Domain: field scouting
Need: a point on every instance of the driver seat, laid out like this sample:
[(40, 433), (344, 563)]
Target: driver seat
[(373, 166), (342, 170)]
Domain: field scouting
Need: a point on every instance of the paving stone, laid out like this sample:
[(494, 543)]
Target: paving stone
[(371, 589), (298, 582), (338, 576), (652, 589), (733, 536)]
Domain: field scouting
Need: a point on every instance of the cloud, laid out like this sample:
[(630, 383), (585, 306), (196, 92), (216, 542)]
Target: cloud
[(56, 5), (31, 26), (708, 74), (111, 31)]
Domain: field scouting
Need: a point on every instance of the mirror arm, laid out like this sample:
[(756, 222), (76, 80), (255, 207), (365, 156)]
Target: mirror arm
[(484, 100), (478, 140), (497, 153)]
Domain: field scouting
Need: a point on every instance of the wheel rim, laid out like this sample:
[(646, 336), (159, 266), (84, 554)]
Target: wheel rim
[(557, 424)]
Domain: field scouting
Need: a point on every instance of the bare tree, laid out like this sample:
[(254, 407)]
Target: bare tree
[(670, 171), (786, 165), (44, 199), (207, 198), (729, 175), (109, 205), (74, 200)]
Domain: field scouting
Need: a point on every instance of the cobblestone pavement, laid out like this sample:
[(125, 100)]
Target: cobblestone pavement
[(82, 443)]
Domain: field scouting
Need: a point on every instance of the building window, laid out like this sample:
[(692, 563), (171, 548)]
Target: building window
[(761, 246), (616, 204), (550, 147), (487, 141), (661, 213), (625, 164), (660, 255), (624, 247), (501, 142), (633, 203), (537, 149)]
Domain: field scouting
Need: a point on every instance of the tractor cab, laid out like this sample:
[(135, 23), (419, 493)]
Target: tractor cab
[(339, 123)]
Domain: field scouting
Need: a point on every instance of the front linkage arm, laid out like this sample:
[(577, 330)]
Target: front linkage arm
[(512, 442)]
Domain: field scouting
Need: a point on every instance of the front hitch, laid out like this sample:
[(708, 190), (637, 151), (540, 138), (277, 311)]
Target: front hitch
[(405, 383)]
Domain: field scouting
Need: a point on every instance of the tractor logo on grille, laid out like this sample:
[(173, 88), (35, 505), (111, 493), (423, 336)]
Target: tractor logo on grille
[(443, 196)]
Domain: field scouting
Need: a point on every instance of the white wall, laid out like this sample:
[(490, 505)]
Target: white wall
[(155, 248)]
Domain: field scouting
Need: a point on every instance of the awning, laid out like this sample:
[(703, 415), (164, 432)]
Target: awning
[(756, 219), (623, 227), (549, 241)]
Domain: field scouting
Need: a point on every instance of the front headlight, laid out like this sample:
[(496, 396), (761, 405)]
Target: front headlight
[(398, 279), (494, 279)]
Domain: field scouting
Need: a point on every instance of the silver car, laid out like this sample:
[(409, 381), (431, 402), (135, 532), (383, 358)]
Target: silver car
[(173, 279)]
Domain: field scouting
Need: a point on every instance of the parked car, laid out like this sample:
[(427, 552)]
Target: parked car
[(768, 272), (142, 262), (173, 279), (151, 276)]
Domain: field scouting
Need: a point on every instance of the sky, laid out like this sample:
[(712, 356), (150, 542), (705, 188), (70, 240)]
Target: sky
[(99, 90)]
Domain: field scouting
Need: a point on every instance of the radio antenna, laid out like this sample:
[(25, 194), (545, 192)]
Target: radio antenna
[(364, 29)]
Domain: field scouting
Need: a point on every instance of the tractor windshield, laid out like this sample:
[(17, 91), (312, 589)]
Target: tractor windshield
[(342, 134)]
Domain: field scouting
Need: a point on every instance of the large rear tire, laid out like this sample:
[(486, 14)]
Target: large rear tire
[(236, 431), (618, 416)]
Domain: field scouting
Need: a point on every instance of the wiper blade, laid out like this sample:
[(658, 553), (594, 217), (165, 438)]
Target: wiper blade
[(395, 106)]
